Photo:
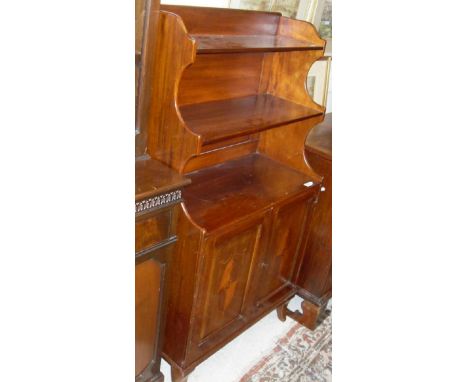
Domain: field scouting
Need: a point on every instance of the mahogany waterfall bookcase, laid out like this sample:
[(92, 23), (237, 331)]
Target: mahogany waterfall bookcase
[(228, 109)]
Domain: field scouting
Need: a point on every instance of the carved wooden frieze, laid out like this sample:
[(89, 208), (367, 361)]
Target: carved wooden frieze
[(158, 201)]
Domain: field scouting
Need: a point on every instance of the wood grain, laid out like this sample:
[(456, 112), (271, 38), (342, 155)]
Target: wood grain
[(147, 285), (221, 120), (161, 112), (209, 44), (228, 192), (220, 76), (146, 18), (221, 21), (153, 178)]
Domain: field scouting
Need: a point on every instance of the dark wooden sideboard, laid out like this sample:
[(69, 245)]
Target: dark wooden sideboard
[(158, 194)]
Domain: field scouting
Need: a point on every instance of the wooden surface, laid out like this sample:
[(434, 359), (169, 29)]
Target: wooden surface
[(225, 21), (223, 280), (146, 19), (219, 120), (153, 230), (153, 178), (168, 139), (220, 77), (222, 194), (179, 131), (251, 43), (147, 288)]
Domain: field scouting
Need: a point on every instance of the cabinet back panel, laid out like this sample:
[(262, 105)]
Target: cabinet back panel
[(225, 21), (220, 76)]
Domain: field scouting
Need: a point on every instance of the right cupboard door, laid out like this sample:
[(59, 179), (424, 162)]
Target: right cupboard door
[(277, 264)]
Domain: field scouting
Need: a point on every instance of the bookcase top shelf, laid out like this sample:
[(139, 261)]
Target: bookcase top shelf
[(234, 189), (218, 120), (207, 44)]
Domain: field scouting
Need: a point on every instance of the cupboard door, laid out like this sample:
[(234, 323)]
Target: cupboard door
[(275, 268), (224, 279)]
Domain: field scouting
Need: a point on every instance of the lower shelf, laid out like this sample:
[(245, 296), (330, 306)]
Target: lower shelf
[(235, 189)]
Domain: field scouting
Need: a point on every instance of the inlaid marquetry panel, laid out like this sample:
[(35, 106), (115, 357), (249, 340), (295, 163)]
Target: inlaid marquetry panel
[(276, 267), (153, 229), (228, 261)]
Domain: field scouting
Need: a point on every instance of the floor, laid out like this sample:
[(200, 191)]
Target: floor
[(231, 362)]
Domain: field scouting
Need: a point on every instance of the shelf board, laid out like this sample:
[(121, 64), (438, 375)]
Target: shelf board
[(207, 44), (231, 191), (219, 120)]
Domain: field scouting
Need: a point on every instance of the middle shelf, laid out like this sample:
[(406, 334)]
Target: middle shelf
[(218, 120)]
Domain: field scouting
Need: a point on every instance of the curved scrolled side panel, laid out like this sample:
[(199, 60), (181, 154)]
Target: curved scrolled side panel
[(285, 75), (169, 140), (286, 144), (300, 30)]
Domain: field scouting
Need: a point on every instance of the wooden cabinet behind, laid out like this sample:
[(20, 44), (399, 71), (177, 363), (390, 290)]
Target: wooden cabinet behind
[(158, 194), (315, 277)]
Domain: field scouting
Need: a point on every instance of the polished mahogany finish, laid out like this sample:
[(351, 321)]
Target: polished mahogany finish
[(229, 109), (251, 43), (220, 120), (146, 25), (184, 77), (213, 200)]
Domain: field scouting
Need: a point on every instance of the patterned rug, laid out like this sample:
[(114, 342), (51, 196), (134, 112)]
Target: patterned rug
[(301, 355)]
